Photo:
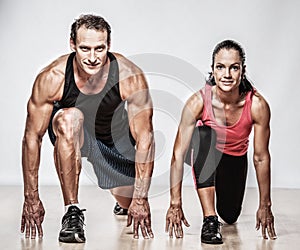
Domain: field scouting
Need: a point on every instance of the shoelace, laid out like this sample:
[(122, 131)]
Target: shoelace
[(74, 218), (213, 226)]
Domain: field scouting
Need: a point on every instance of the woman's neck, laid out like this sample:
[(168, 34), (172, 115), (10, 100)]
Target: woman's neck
[(230, 97)]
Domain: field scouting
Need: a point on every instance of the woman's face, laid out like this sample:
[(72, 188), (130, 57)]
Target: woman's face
[(228, 69)]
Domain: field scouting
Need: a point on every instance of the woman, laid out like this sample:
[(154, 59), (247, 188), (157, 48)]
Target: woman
[(224, 112)]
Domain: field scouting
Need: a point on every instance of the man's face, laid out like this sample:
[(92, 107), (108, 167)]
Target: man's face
[(91, 49)]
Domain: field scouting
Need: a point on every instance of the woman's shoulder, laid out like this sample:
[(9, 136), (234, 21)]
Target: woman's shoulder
[(260, 106)]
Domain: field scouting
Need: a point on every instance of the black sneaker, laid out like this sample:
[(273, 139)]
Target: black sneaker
[(210, 232), (119, 210), (72, 226)]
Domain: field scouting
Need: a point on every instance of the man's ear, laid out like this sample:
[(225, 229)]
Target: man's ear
[(72, 44)]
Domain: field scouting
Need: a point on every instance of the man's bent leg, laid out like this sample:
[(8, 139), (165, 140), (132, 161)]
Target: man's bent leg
[(67, 126), (123, 196)]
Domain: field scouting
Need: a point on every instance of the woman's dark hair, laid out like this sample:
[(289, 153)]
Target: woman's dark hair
[(245, 85), (90, 22)]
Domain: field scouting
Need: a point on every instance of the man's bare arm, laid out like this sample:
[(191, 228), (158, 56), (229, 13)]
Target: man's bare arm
[(140, 111), (45, 90), (134, 89)]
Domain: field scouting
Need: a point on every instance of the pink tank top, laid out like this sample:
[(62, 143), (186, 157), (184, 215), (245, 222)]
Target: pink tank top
[(234, 139)]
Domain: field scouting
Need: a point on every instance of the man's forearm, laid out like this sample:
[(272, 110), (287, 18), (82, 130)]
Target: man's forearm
[(141, 188), (30, 165), (144, 169)]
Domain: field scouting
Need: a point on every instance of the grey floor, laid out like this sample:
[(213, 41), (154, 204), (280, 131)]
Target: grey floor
[(109, 232)]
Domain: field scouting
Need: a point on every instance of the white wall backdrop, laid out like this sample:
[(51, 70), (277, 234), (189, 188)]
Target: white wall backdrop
[(178, 38)]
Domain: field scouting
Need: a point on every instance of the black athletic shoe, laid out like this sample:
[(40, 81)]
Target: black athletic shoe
[(210, 233), (72, 226), (119, 210)]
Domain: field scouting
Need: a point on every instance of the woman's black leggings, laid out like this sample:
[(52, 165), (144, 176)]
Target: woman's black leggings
[(226, 172)]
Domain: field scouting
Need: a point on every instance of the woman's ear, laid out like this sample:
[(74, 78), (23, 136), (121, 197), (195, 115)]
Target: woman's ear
[(244, 71)]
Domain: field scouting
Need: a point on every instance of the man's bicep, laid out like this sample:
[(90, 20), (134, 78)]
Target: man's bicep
[(140, 113), (139, 95), (140, 120), (140, 108), (46, 88), (38, 116)]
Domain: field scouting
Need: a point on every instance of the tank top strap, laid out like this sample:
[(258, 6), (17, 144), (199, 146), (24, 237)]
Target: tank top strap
[(206, 94), (69, 74), (113, 78), (247, 109), (206, 97)]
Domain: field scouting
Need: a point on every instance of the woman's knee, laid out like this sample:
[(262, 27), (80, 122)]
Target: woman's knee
[(228, 215)]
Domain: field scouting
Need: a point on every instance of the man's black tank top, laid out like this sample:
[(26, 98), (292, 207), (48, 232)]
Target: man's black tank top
[(104, 112)]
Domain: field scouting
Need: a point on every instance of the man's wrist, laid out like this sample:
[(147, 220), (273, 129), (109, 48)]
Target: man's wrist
[(140, 201), (31, 196), (139, 193), (141, 188)]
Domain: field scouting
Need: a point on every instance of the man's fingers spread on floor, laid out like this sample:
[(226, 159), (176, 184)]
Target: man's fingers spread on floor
[(135, 229), (180, 232), (22, 224), (150, 233), (167, 226), (263, 229), (129, 220), (144, 233), (27, 230), (40, 231), (186, 222), (171, 230)]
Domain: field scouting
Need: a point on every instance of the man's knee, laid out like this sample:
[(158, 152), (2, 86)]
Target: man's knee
[(123, 195), (68, 123)]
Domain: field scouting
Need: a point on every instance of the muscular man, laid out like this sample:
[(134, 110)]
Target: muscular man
[(95, 104)]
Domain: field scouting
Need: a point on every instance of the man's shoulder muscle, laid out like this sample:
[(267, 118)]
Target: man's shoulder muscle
[(131, 77), (126, 66), (49, 82)]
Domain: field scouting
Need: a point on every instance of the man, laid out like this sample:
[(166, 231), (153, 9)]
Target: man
[(80, 98)]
